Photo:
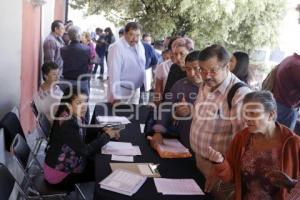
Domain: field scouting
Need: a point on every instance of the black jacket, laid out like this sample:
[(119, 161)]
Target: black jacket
[(67, 150), (76, 57)]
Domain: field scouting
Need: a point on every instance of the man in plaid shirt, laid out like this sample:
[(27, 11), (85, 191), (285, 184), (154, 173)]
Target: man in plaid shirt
[(214, 123)]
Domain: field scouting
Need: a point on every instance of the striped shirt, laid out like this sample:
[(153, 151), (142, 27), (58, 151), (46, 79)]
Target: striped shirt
[(213, 123)]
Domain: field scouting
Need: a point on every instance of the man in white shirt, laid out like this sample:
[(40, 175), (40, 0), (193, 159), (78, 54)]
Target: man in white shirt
[(126, 66)]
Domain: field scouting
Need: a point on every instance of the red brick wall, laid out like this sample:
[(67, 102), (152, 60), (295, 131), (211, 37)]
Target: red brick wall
[(29, 61)]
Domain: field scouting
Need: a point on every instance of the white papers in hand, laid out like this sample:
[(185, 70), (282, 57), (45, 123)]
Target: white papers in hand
[(112, 120), (122, 158), (173, 145), (123, 181), (177, 186)]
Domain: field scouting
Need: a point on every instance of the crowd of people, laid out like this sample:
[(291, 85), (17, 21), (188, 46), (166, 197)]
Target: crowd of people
[(242, 140)]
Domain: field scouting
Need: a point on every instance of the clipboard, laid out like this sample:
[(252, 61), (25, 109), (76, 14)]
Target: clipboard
[(144, 169)]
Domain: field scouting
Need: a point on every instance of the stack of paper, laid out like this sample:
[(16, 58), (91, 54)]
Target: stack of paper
[(124, 182), (121, 149), (112, 120), (172, 148), (177, 186)]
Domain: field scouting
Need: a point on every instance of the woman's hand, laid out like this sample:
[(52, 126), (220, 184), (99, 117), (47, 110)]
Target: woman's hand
[(214, 156), (281, 179), (113, 134)]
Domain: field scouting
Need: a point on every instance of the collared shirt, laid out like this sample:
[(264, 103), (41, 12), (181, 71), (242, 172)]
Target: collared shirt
[(126, 67), (287, 83), (213, 123), (52, 45)]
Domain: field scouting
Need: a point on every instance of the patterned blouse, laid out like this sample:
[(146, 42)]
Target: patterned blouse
[(254, 166)]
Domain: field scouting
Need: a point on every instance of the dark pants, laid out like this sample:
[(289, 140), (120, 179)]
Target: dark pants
[(101, 64)]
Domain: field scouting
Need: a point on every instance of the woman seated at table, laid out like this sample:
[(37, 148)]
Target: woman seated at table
[(262, 147), (69, 159)]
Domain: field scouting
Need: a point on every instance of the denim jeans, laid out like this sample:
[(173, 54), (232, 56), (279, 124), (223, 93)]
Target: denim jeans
[(287, 116)]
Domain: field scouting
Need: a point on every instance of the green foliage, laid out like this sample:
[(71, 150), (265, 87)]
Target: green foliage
[(237, 24)]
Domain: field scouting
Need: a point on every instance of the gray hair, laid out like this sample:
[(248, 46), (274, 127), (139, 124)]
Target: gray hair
[(264, 97), (74, 33)]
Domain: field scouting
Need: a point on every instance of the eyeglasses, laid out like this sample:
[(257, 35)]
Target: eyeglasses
[(212, 72)]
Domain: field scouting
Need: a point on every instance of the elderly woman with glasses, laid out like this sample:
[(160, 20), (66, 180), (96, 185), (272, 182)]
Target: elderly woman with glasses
[(263, 146)]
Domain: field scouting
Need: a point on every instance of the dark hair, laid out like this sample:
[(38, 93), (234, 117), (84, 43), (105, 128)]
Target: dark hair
[(172, 39), (70, 93), (146, 35), (108, 30), (56, 24), (121, 31), (192, 56), (165, 51), (47, 67), (99, 30), (242, 64), (215, 50), (264, 97), (132, 26), (158, 44), (69, 22)]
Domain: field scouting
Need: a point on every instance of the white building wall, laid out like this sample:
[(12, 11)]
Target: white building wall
[(10, 54), (47, 19)]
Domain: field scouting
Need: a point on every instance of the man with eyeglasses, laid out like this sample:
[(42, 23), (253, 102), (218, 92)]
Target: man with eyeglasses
[(126, 66), (214, 122)]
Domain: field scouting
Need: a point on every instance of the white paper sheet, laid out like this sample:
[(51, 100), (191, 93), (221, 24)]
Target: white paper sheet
[(144, 169), (122, 158), (112, 119), (173, 145), (130, 151), (177, 186), (118, 145), (123, 181)]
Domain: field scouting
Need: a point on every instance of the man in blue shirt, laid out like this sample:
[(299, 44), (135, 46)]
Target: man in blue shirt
[(126, 66), (182, 95)]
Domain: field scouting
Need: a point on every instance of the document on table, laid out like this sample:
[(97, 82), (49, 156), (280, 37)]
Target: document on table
[(173, 145), (123, 181), (118, 145), (177, 186), (121, 149), (122, 158), (112, 120), (172, 148), (144, 169)]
